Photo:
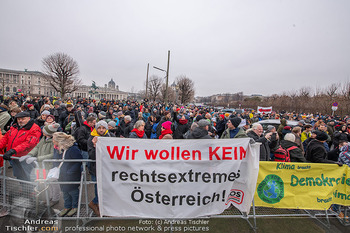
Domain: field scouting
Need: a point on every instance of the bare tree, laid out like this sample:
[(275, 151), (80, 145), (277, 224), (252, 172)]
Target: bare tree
[(332, 90), (171, 94), (185, 89), (62, 73), (154, 87)]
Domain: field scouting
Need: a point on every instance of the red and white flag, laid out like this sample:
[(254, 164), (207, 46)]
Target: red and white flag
[(264, 110)]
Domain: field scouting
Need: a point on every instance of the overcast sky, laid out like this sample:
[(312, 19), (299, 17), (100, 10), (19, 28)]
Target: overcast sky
[(258, 47)]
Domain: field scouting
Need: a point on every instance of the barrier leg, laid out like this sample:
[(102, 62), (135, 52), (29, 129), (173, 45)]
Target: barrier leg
[(254, 216), (86, 191)]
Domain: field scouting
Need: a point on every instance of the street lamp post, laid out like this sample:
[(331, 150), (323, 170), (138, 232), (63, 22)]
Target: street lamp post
[(167, 78), (147, 81)]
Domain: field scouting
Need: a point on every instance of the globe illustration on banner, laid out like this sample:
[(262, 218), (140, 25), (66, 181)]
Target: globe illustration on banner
[(271, 189)]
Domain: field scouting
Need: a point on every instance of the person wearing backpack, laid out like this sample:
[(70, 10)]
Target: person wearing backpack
[(289, 151)]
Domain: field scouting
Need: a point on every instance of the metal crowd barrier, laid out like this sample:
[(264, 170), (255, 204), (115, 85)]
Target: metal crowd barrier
[(30, 200)]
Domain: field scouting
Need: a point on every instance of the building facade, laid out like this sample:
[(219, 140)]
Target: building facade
[(32, 83)]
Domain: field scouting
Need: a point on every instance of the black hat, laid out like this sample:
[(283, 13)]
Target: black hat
[(343, 138), (22, 114), (321, 136), (235, 121), (199, 117)]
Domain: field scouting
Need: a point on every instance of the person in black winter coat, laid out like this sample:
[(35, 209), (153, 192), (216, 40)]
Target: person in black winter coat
[(221, 125), (69, 171), (149, 125), (201, 132), (101, 130), (182, 127), (66, 116), (315, 151), (32, 111), (340, 134), (83, 134), (42, 118), (256, 133), (126, 126), (57, 111)]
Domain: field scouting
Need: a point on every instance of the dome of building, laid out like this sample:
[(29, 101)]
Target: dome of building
[(111, 84)]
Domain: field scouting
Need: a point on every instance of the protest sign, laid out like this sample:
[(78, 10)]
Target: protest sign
[(302, 185), (175, 178)]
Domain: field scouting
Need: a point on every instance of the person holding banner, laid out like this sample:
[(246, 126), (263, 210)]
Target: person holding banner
[(101, 130)]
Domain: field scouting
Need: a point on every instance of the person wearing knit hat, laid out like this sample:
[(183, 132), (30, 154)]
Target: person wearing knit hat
[(47, 107), (232, 130), (200, 132), (101, 130), (198, 118), (286, 129), (316, 151), (45, 112), (296, 153), (111, 124), (102, 115), (166, 131), (101, 123), (166, 117), (50, 129), (44, 150), (235, 121), (32, 111), (321, 136), (270, 128)]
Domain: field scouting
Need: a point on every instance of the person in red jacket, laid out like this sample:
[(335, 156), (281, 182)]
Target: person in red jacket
[(22, 137)]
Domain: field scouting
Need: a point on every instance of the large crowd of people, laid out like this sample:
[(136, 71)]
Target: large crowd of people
[(35, 129)]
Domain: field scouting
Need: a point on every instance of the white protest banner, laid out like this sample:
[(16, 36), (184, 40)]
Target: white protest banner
[(264, 110), (175, 178)]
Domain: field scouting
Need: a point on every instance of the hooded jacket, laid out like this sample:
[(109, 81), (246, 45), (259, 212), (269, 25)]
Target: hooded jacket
[(21, 139), (199, 133), (83, 135), (92, 149)]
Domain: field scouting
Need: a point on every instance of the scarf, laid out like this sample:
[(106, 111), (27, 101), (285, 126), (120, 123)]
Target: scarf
[(164, 132), (95, 134), (233, 132), (138, 132), (183, 122)]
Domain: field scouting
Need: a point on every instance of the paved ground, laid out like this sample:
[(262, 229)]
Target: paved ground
[(299, 224)]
